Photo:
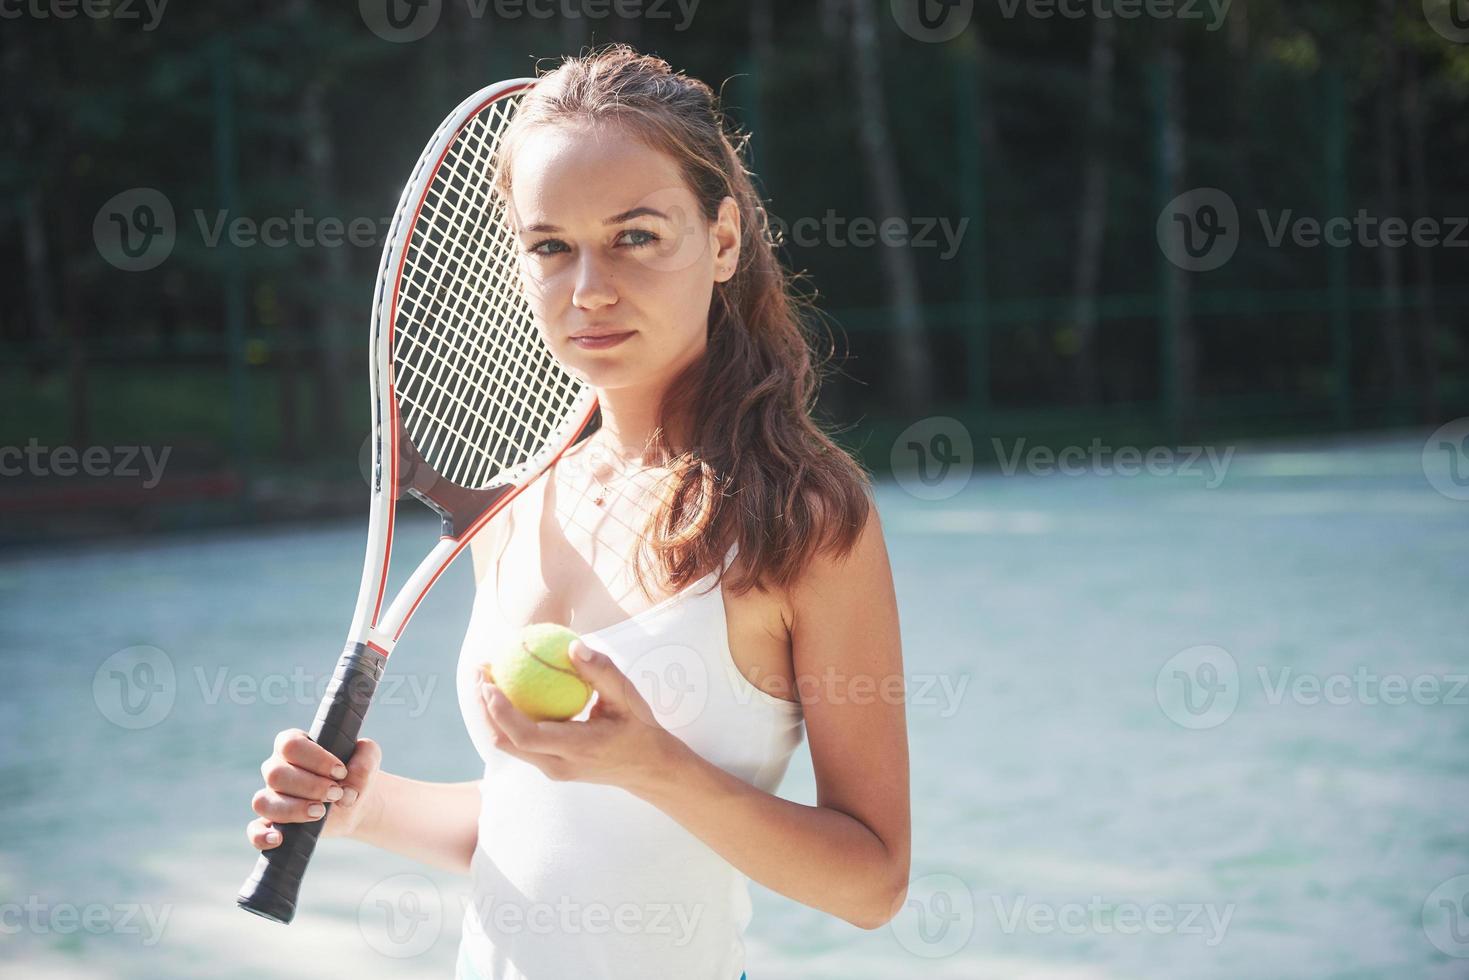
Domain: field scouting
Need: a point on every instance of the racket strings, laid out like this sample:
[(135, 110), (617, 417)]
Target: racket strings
[(460, 225), (478, 392)]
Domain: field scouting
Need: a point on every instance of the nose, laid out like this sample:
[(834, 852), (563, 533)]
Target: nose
[(593, 289)]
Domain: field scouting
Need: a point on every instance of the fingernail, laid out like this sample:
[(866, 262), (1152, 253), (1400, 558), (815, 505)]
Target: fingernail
[(273, 837), (334, 794), (315, 810), (349, 796), (340, 772)]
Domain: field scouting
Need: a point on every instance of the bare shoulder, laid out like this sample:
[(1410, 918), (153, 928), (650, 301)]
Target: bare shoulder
[(862, 573)]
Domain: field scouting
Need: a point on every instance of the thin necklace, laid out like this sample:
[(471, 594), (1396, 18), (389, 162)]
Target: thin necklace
[(600, 500)]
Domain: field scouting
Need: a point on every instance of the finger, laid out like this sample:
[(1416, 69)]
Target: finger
[(501, 737), (614, 691), (598, 670), (366, 762), (296, 747), (291, 780), (262, 834), (520, 728), (279, 808)]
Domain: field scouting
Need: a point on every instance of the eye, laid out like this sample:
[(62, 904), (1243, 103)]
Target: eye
[(638, 237), (548, 246)]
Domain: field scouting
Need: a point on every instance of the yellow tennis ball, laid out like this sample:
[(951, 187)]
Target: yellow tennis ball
[(535, 672)]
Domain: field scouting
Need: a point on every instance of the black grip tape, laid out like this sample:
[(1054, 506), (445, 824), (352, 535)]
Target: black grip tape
[(271, 889)]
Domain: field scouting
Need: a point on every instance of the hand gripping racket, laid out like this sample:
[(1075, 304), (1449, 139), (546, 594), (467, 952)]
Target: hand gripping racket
[(468, 407)]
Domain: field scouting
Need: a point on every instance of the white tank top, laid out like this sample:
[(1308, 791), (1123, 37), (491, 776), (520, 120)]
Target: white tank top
[(586, 881)]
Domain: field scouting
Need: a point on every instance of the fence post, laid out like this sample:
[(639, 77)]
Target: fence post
[(967, 102), (1338, 270), (1169, 299), (234, 273)]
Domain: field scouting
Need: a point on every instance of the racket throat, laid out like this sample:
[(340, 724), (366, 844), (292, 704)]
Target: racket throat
[(458, 508)]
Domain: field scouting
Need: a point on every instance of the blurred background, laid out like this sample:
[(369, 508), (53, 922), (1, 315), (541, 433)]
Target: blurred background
[(1149, 316)]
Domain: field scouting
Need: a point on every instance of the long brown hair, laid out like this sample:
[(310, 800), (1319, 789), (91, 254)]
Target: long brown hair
[(758, 473)]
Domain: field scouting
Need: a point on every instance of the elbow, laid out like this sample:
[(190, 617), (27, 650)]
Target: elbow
[(884, 906)]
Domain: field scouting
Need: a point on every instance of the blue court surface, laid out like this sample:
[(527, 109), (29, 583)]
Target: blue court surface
[(1162, 725)]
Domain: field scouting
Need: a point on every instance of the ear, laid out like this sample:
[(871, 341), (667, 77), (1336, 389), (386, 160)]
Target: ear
[(725, 240)]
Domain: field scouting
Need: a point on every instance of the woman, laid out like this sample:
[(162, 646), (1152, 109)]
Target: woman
[(719, 556)]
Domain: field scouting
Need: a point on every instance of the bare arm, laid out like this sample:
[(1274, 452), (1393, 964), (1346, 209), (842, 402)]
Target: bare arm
[(436, 823), (849, 854)]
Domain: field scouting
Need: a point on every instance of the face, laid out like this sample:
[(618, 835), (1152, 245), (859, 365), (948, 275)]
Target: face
[(616, 258)]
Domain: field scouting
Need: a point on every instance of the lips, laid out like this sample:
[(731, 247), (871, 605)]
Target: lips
[(600, 339), (598, 332)]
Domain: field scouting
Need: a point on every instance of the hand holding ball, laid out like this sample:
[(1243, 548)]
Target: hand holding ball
[(535, 672)]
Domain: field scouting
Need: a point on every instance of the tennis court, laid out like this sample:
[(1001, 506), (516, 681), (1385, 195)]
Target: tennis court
[(1070, 819)]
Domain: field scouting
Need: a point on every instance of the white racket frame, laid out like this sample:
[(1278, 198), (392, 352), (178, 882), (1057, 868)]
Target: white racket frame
[(373, 625)]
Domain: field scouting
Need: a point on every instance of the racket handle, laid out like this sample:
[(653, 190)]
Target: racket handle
[(271, 889)]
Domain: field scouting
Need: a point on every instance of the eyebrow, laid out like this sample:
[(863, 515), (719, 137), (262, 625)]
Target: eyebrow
[(616, 219)]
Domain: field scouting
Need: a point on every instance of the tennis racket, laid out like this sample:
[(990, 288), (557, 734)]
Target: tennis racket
[(468, 408)]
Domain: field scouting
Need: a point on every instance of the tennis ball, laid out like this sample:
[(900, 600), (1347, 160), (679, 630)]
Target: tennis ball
[(535, 672)]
